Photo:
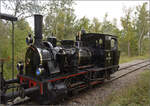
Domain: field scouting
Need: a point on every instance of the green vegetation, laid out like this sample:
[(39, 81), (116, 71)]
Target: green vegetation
[(125, 59), (21, 31), (134, 95), (61, 21)]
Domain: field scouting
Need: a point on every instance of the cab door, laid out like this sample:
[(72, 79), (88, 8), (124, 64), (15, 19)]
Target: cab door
[(116, 52)]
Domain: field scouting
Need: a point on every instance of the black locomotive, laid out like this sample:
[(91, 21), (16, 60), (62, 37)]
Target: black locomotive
[(52, 71)]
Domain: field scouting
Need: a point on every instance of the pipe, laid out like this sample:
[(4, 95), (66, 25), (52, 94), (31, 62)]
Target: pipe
[(12, 81), (8, 17), (22, 93), (31, 90)]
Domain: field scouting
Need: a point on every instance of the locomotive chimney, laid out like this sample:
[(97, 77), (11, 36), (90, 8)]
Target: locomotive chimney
[(38, 19)]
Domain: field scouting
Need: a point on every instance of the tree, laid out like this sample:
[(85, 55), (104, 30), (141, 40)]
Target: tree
[(128, 29), (60, 19), (21, 31), (109, 27), (4, 36), (24, 8), (84, 23), (142, 25), (95, 26)]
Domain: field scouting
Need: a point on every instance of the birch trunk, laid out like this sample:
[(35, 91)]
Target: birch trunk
[(129, 49), (140, 42)]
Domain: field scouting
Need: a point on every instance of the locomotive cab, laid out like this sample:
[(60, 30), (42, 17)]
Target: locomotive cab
[(102, 47)]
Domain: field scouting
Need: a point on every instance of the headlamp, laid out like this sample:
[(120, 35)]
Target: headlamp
[(39, 71)]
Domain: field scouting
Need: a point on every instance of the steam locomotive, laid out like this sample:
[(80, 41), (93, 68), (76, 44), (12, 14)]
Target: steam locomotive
[(53, 71)]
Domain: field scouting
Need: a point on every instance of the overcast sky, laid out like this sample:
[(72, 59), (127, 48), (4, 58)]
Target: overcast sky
[(97, 9), (114, 9)]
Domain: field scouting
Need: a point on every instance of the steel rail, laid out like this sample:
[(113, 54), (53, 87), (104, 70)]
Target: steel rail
[(133, 65), (130, 71)]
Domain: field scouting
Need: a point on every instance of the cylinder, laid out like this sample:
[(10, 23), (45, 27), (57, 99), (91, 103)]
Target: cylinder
[(38, 19)]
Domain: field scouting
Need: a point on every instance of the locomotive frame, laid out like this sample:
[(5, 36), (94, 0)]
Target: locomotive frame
[(91, 59)]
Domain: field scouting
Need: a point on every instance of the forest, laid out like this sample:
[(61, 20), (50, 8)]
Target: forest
[(61, 21)]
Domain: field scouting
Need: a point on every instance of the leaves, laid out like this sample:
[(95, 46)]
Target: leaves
[(142, 24), (24, 8), (60, 19), (21, 31)]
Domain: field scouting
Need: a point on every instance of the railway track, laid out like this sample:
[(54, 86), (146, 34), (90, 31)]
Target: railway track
[(132, 69), (123, 71)]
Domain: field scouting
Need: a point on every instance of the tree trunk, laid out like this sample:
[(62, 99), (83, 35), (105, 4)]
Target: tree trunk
[(139, 43), (139, 47), (129, 49)]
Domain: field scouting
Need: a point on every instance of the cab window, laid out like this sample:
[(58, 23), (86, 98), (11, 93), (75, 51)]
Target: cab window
[(113, 44), (100, 41)]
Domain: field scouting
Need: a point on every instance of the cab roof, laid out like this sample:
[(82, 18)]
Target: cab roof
[(96, 35)]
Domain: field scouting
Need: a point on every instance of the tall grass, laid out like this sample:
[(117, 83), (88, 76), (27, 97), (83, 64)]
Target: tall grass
[(135, 95)]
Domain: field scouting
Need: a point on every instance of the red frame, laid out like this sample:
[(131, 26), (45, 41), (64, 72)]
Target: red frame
[(32, 83)]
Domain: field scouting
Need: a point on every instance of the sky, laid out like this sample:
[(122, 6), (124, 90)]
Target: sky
[(98, 9)]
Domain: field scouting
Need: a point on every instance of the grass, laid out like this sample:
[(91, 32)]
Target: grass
[(135, 95), (125, 59)]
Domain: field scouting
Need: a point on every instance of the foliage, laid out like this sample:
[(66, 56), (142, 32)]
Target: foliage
[(24, 8), (60, 19), (142, 25), (4, 39), (135, 30), (135, 95), (21, 31), (108, 27), (128, 29), (95, 25), (83, 23)]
